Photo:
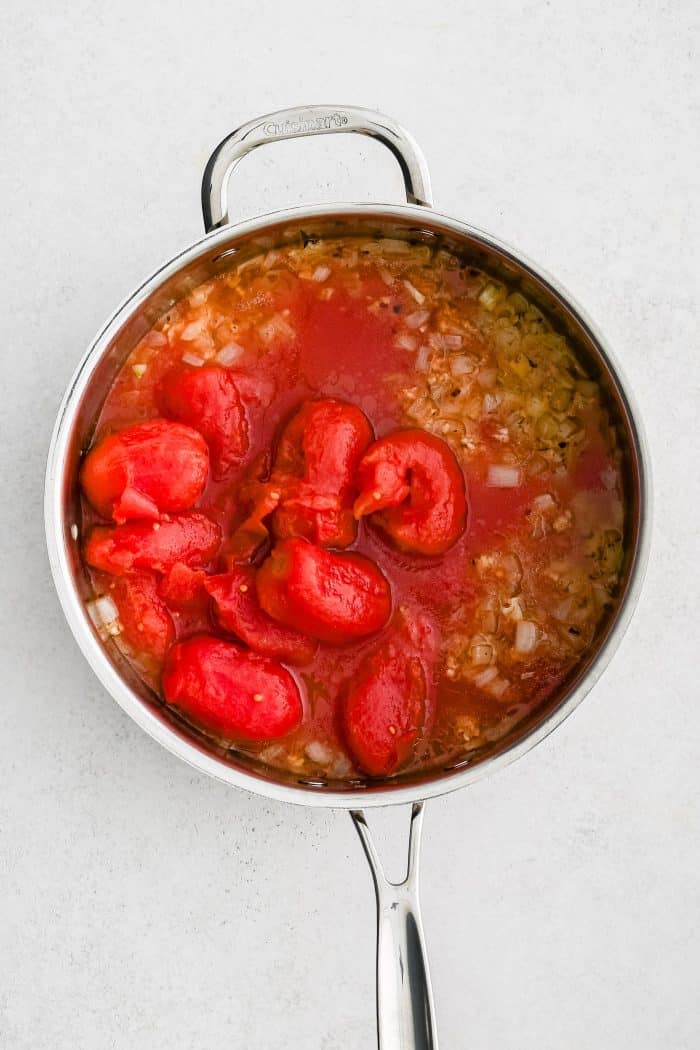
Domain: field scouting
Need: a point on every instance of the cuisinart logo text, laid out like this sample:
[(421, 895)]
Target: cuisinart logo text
[(300, 126)]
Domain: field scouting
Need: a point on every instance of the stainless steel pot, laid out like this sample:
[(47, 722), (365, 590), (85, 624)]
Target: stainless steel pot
[(404, 1000)]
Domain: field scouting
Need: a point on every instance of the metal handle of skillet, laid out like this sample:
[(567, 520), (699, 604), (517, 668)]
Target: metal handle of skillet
[(299, 123), (405, 1012)]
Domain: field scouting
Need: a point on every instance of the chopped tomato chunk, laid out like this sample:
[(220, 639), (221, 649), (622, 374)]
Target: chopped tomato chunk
[(317, 456), (146, 624), (208, 399), (336, 598), (240, 695), (412, 486), (189, 538), (146, 470), (238, 611)]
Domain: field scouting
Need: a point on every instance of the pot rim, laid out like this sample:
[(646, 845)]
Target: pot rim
[(89, 642)]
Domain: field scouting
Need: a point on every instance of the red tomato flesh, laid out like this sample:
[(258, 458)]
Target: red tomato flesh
[(182, 585), (384, 709), (189, 538), (146, 624), (146, 470), (336, 598), (321, 446), (241, 695), (237, 610), (208, 399), (412, 486)]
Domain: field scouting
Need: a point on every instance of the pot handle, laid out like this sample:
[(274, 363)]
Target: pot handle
[(298, 123), (405, 1011)]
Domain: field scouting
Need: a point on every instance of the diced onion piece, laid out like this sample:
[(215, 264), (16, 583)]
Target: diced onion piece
[(393, 246), (193, 330), (486, 377), (229, 353), (270, 259), (525, 636), (200, 295), (386, 276), (609, 478), (156, 339), (484, 677), (276, 327), (242, 267), (511, 610), (544, 502), (404, 341), (422, 359), (421, 410), (498, 687), (139, 370), (193, 359), (490, 403), (414, 293), (461, 365), (104, 614), (341, 767), (489, 296), (321, 273), (562, 609), (445, 341), (501, 476), (417, 318), (318, 752), (481, 654), (449, 428), (488, 615)]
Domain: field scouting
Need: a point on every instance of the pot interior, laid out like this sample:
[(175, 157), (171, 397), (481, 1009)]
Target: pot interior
[(215, 254)]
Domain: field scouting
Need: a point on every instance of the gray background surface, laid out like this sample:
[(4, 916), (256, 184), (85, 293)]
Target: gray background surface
[(146, 907)]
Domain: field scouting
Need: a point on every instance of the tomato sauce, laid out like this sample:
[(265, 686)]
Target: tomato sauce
[(481, 632)]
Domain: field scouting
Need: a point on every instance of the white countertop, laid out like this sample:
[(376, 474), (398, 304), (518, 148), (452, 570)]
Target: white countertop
[(144, 906)]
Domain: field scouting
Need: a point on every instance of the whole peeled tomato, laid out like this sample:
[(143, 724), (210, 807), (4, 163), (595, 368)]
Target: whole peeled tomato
[(384, 709), (413, 488), (237, 609), (146, 470), (207, 398), (146, 624), (190, 538), (317, 456), (237, 694), (335, 597)]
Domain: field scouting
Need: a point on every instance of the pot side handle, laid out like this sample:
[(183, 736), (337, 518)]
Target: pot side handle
[(298, 123), (405, 1011)]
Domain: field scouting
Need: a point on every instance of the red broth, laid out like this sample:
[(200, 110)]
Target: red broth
[(413, 338)]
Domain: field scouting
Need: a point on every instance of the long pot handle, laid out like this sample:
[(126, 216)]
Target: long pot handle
[(405, 1011), (298, 123)]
